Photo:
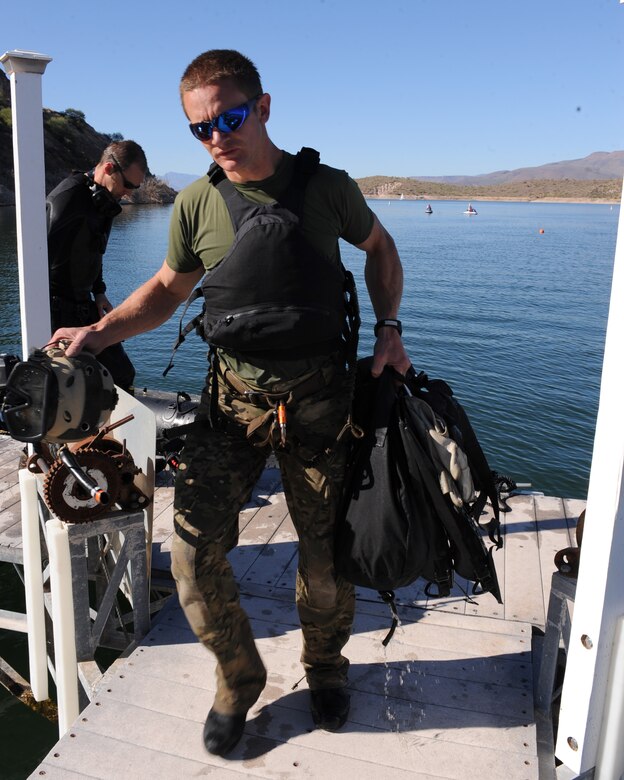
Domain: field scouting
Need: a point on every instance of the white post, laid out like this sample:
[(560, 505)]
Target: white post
[(65, 659), (33, 586), (25, 70), (609, 762), (585, 720)]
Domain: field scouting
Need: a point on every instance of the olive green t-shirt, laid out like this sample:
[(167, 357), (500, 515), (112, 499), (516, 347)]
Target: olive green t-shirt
[(201, 233)]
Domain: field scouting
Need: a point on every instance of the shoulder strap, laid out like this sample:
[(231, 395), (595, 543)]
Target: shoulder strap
[(307, 161), (215, 174)]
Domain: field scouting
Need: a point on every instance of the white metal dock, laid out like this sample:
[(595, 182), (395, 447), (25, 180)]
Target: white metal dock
[(450, 697)]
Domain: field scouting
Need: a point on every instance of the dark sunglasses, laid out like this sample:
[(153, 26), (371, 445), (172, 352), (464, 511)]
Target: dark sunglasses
[(226, 122), (127, 184)]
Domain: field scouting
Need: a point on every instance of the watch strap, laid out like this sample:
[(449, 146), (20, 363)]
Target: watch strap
[(388, 323)]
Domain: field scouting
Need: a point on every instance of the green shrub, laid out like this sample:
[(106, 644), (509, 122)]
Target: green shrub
[(74, 113)]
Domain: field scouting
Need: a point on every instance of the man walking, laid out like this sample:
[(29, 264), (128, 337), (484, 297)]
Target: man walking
[(264, 227)]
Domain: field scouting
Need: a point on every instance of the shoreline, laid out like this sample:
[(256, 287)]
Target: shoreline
[(478, 199), (492, 199)]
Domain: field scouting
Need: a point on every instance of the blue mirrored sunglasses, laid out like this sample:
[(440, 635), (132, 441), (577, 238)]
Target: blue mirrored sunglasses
[(226, 122)]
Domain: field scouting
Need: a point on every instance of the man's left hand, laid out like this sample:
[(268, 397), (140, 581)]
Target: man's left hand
[(389, 351)]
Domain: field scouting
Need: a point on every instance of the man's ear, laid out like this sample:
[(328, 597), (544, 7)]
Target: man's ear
[(263, 105)]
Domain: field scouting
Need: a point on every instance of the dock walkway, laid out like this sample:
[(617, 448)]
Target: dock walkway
[(450, 697)]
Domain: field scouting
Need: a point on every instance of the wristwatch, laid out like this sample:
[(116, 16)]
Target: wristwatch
[(388, 323)]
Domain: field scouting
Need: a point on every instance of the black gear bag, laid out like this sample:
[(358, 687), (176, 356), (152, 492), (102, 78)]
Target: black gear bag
[(416, 484)]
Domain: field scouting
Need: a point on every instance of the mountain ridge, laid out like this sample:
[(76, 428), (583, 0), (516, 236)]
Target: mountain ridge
[(595, 166), (594, 178)]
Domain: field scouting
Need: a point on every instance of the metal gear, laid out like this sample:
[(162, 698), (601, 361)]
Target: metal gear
[(130, 498), (68, 500)]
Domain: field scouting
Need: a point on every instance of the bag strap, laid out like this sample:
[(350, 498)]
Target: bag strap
[(482, 474), (387, 596), (458, 525), (193, 324)]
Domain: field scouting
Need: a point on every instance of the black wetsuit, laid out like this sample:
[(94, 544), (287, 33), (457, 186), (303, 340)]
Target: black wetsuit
[(79, 219)]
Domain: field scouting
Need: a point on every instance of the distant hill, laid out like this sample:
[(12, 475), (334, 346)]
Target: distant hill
[(599, 165), (178, 181), (70, 143), (573, 190), (597, 177)]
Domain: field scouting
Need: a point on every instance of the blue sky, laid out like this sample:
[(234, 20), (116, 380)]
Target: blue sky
[(394, 87)]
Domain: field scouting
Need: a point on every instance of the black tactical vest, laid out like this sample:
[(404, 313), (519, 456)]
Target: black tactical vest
[(273, 292)]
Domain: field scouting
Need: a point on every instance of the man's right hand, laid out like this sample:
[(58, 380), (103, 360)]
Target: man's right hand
[(79, 340)]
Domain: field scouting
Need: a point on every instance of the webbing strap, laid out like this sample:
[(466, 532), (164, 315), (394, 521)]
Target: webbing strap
[(388, 597), (183, 332)]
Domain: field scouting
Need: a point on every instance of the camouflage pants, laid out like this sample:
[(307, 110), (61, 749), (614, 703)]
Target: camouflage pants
[(219, 470)]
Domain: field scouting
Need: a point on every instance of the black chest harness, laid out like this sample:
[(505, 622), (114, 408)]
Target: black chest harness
[(273, 293)]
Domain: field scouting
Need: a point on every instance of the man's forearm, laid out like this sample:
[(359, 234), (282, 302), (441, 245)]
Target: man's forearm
[(147, 308), (384, 279)]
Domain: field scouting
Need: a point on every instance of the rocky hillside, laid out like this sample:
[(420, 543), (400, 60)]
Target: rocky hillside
[(70, 143)]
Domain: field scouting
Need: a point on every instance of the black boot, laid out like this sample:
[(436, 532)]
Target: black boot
[(223, 732), (330, 708)]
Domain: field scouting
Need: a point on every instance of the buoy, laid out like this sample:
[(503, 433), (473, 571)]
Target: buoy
[(541, 230)]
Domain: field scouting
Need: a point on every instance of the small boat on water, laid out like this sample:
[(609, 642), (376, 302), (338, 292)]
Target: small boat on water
[(428, 210), (470, 210)]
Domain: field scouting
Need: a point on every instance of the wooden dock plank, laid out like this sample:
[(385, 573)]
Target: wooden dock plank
[(257, 755), (10, 451), (10, 514), (400, 719), (256, 534), (276, 555), (432, 645), (87, 755), (373, 704), (553, 535), (11, 535), (524, 594)]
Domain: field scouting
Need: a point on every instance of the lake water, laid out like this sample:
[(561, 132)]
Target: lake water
[(514, 319)]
